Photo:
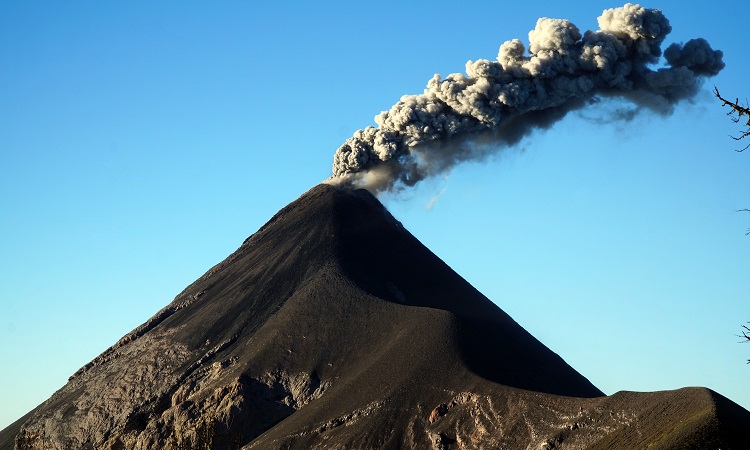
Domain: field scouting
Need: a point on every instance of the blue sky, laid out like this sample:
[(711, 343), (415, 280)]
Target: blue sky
[(141, 143)]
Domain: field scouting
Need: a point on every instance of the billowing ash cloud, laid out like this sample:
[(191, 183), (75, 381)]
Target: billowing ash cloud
[(499, 102)]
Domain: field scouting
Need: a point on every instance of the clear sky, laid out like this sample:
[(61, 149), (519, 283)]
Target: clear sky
[(142, 142)]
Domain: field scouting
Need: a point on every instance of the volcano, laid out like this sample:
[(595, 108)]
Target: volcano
[(333, 327)]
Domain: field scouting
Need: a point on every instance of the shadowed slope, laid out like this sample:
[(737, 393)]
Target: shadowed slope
[(332, 326)]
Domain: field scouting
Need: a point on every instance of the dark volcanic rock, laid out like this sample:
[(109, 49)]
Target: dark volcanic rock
[(333, 327)]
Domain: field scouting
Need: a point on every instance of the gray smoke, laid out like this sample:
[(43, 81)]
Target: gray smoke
[(498, 103)]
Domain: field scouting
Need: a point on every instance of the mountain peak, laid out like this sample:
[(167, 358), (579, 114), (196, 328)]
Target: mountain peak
[(331, 314)]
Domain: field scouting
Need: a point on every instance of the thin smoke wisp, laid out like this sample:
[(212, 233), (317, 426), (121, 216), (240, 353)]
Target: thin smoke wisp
[(497, 103)]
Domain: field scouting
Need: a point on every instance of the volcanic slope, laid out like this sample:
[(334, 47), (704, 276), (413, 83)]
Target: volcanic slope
[(333, 327)]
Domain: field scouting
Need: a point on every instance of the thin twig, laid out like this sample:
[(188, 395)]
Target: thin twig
[(748, 230)]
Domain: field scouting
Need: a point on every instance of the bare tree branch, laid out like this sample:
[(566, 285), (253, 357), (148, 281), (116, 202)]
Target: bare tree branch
[(745, 336), (740, 111)]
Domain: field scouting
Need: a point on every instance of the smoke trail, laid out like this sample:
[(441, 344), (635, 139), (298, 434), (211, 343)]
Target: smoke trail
[(500, 102)]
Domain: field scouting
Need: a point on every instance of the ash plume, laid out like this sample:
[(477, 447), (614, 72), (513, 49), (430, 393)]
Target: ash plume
[(498, 103)]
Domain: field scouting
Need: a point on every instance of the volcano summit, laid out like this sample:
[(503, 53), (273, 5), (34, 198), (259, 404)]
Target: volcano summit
[(333, 327)]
